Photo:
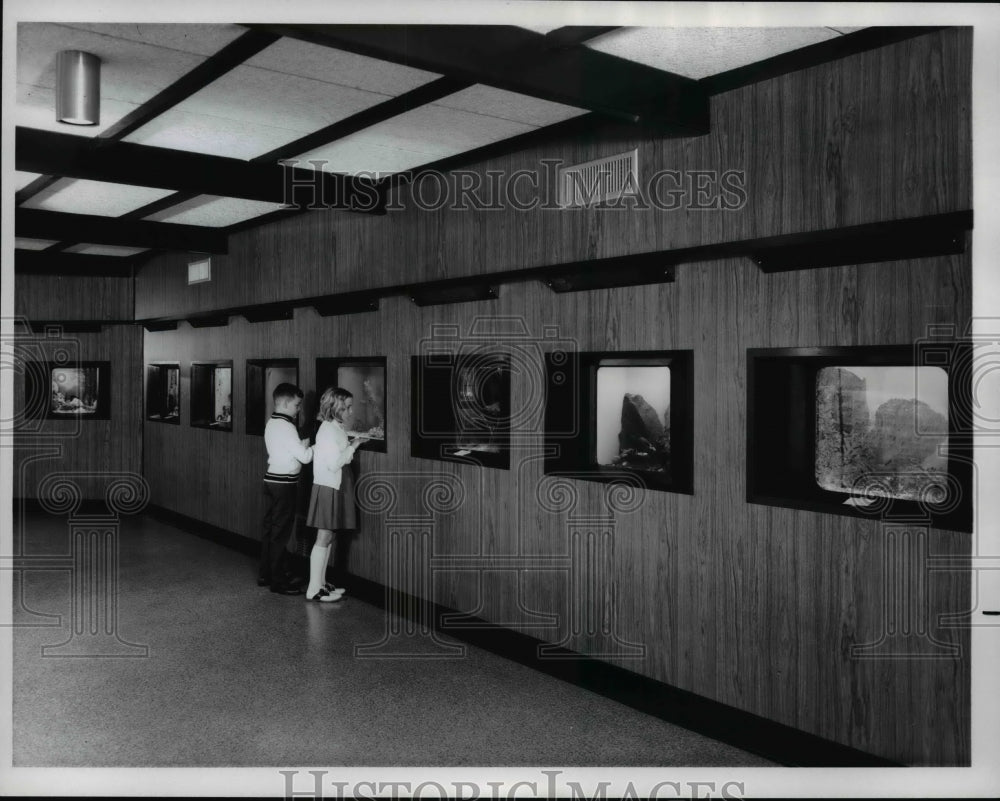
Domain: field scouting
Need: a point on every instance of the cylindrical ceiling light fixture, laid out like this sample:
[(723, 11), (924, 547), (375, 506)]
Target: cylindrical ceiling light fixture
[(78, 88)]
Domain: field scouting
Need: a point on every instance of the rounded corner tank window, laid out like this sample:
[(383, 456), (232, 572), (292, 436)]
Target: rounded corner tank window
[(75, 390), (633, 417), (882, 431)]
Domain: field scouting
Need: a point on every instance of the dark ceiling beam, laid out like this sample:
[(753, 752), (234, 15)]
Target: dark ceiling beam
[(522, 61), (198, 173), (211, 69), (40, 262), (243, 48), (39, 184), (232, 55), (577, 34), (157, 206), (40, 224), (422, 95), (811, 56)]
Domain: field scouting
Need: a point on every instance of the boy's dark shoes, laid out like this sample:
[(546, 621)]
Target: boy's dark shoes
[(285, 589)]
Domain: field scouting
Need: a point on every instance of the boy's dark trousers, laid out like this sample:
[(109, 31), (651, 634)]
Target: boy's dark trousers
[(278, 517)]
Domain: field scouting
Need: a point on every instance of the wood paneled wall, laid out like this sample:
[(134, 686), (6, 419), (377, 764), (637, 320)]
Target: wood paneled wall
[(63, 297), (750, 605), (876, 136), (91, 449), (753, 606)]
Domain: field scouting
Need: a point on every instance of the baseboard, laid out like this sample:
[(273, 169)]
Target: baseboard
[(205, 531), (774, 741)]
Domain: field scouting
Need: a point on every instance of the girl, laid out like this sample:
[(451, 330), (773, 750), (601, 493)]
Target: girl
[(331, 505)]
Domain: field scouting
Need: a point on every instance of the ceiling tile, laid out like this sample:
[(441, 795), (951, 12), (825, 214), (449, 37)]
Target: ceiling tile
[(36, 108), (131, 73), (32, 244), (700, 52), (215, 135), (287, 90), (543, 29), (78, 196), (433, 132), (330, 65), (214, 211), (266, 108), (353, 155), (105, 250), (197, 38), (491, 102), (22, 179)]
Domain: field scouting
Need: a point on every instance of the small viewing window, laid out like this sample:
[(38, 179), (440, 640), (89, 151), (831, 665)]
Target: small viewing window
[(263, 376), (163, 392), (212, 395)]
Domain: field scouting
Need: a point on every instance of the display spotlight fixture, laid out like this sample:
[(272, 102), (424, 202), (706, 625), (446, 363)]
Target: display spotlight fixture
[(78, 88)]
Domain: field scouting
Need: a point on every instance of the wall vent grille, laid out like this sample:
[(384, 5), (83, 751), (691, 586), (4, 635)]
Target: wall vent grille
[(599, 180), (199, 271)]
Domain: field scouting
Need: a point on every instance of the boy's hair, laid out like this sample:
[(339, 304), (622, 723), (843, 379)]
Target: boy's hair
[(332, 404), (286, 391)]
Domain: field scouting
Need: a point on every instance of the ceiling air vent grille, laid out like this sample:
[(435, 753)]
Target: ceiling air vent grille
[(598, 181)]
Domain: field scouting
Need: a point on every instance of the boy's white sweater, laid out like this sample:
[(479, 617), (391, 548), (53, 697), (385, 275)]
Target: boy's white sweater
[(285, 452)]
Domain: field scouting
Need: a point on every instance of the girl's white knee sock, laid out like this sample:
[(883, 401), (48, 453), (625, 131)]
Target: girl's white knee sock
[(317, 569)]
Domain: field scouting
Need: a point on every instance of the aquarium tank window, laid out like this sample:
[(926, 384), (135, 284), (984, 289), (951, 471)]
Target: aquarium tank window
[(75, 391), (163, 393), (633, 417), (882, 430), (212, 395), (274, 375), (223, 396), (366, 382)]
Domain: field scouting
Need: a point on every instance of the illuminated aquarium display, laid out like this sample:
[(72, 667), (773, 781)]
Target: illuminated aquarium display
[(633, 417), (365, 379), (866, 431), (73, 391), (882, 430), (212, 395), (263, 376), (163, 393), (621, 416), (481, 400), (461, 408)]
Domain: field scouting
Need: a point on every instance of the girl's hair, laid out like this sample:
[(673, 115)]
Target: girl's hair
[(332, 404)]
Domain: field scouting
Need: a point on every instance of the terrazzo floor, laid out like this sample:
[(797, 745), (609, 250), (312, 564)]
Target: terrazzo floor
[(238, 676)]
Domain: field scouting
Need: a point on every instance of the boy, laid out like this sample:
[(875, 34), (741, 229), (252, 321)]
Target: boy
[(286, 454)]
